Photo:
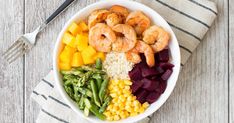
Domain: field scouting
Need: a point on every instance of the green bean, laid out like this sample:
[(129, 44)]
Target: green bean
[(105, 104), (94, 70), (69, 77), (99, 83), (94, 110), (84, 91), (103, 88), (86, 111), (87, 103), (98, 79), (95, 93), (73, 72), (69, 91), (89, 86), (84, 78), (77, 96), (81, 102), (98, 64)]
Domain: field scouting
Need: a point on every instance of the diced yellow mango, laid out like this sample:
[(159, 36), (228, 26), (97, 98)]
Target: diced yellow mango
[(70, 49), (87, 60), (74, 29), (69, 39), (85, 34), (84, 26), (88, 55), (64, 66), (66, 55), (81, 42), (100, 55), (77, 60), (90, 51)]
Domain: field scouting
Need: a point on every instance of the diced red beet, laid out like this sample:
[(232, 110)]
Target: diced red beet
[(159, 70), (136, 85), (141, 95), (152, 97), (166, 66), (149, 85), (162, 87), (166, 75), (135, 74), (163, 55), (146, 72), (149, 72), (141, 65)]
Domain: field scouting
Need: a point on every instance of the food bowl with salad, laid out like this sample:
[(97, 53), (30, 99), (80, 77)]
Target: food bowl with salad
[(116, 61)]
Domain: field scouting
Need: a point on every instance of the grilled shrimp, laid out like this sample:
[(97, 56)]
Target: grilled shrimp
[(141, 47), (120, 10), (113, 19), (101, 37), (97, 17), (157, 37), (128, 41), (139, 21)]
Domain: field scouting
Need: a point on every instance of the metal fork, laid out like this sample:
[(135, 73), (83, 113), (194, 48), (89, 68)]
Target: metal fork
[(28, 40)]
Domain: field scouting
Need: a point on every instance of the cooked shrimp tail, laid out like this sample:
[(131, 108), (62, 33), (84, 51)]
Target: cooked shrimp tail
[(157, 37), (101, 37), (128, 41), (139, 21), (141, 47)]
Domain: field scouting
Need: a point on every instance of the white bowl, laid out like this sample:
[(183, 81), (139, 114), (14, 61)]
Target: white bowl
[(156, 19)]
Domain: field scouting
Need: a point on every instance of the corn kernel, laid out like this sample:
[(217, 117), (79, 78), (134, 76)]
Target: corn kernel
[(145, 105), (107, 113), (128, 103), (116, 117), (141, 110), (136, 103), (127, 82), (121, 85), (128, 108), (113, 95), (110, 118), (133, 113), (123, 104), (109, 107), (134, 98), (127, 87), (129, 98), (121, 97), (117, 112), (115, 108)]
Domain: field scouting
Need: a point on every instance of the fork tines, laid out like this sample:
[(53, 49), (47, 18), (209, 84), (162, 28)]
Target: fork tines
[(16, 50)]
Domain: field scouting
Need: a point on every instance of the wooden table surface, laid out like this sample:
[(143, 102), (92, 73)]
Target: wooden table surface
[(204, 92)]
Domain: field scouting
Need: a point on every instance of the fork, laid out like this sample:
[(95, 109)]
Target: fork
[(28, 40)]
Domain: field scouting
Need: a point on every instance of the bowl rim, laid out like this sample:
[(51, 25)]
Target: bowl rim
[(56, 73)]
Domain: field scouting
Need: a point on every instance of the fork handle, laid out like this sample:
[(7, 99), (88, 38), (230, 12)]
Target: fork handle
[(59, 10)]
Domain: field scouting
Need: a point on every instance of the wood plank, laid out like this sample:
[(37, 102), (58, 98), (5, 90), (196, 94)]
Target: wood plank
[(39, 60), (231, 61), (11, 77), (201, 93)]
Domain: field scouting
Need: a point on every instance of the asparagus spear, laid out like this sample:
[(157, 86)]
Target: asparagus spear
[(95, 93)]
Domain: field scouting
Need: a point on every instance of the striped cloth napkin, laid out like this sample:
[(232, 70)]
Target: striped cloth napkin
[(189, 19)]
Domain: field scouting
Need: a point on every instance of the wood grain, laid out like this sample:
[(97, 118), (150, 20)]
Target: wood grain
[(38, 62), (11, 77), (201, 93), (231, 62)]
